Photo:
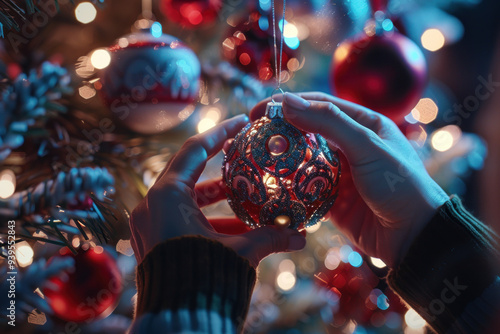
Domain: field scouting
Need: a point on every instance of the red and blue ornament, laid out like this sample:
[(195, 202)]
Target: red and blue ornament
[(276, 174)]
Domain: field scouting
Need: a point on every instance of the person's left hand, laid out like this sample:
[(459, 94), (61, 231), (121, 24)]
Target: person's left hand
[(171, 207)]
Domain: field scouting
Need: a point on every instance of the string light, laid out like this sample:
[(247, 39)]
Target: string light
[(432, 39), (24, 254), (100, 59), (85, 12), (7, 183)]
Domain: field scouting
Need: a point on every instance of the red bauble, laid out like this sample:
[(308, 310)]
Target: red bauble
[(386, 73), (276, 174), (151, 83), (92, 290), (191, 13), (249, 46)]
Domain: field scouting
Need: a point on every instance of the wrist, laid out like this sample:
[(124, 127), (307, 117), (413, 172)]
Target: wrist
[(425, 207)]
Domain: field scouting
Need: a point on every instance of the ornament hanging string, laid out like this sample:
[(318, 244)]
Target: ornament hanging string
[(147, 12), (278, 69)]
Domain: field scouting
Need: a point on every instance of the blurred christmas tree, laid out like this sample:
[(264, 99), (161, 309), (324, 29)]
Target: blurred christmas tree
[(89, 115)]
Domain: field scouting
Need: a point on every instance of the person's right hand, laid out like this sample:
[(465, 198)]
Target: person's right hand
[(386, 196)]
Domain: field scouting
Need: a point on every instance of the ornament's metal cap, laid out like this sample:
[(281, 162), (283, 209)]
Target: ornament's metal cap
[(274, 110)]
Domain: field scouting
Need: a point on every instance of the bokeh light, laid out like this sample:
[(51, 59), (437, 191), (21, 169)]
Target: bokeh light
[(86, 92), (100, 59), (414, 320), (432, 39), (24, 254), (205, 124), (444, 138), (156, 29), (355, 259), (377, 262), (286, 280), (85, 12), (7, 183), (286, 265), (332, 260), (425, 111)]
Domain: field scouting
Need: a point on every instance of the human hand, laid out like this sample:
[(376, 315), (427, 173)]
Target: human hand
[(386, 196), (171, 207)]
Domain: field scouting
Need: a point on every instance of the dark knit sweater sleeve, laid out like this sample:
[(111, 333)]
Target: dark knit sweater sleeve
[(193, 284), (448, 268)]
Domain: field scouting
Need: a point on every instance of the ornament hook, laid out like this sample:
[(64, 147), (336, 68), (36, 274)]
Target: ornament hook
[(277, 89)]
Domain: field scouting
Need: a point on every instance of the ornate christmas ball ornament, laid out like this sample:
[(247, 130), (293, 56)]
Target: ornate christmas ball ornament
[(91, 291), (276, 174), (248, 46), (385, 72), (191, 13), (151, 83)]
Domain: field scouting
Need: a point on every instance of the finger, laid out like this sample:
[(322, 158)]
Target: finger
[(267, 240), (364, 116), (333, 124), (210, 191), (228, 225), (191, 159), (360, 114)]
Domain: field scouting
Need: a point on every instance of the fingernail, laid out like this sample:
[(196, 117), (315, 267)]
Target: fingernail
[(296, 102), (296, 242)]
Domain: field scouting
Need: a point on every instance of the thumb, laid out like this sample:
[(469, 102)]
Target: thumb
[(333, 124), (266, 240)]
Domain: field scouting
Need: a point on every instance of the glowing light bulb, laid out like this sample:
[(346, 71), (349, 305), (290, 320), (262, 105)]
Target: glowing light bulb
[(100, 59), (7, 183), (24, 254), (414, 320), (286, 280), (432, 39), (85, 12)]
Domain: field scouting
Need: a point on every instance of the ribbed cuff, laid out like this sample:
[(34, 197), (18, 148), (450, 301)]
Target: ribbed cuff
[(195, 273), (449, 265)]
